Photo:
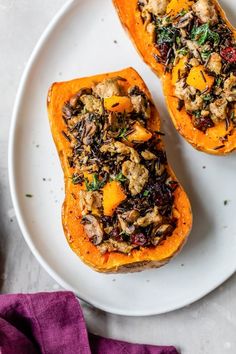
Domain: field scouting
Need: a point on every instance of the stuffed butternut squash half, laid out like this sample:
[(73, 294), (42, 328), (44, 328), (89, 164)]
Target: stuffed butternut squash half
[(124, 209), (191, 46)]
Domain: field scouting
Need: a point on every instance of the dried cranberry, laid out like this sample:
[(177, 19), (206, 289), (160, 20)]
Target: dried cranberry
[(229, 54), (138, 239), (202, 123)]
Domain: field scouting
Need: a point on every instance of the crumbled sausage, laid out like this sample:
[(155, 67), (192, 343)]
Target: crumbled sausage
[(194, 48), (137, 175), (215, 63), (230, 88), (108, 88), (92, 104), (193, 105), (218, 109), (140, 105), (120, 148), (182, 91), (156, 7), (206, 12)]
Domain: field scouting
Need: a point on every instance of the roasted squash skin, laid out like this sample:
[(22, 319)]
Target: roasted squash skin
[(208, 142), (113, 262)]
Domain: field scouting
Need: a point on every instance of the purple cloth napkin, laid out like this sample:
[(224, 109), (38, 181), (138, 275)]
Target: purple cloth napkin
[(53, 323)]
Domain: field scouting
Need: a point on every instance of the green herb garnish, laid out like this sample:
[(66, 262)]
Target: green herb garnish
[(208, 97), (218, 81), (145, 193), (122, 133), (203, 33), (166, 35), (205, 54), (182, 51), (183, 12), (197, 114), (95, 184), (29, 195), (178, 40), (120, 177)]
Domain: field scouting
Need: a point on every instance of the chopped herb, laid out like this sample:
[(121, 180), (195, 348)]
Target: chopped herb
[(203, 167), (95, 184), (215, 37), (120, 177), (178, 40), (203, 33), (182, 51), (218, 81), (200, 34), (208, 97), (183, 12), (122, 133), (166, 35), (197, 114), (29, 195), (226, 202), (145, 193), (205, 54)]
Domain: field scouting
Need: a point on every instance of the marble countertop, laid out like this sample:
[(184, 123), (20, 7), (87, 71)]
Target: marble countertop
[(205, 327)]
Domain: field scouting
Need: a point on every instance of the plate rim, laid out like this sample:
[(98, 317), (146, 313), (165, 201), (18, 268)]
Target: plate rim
[(15, 199)]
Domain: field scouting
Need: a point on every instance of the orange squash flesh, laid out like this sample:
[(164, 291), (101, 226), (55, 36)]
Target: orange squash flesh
[(112, 262), (209, 142), (139, 133), (118, 104), (113, 195)]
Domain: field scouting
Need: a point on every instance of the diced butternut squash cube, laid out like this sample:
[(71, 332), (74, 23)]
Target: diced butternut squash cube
[(113, 195), (176, 6), (88, 176), (178, 69), (118, 104), (139, 134), (199, 79)]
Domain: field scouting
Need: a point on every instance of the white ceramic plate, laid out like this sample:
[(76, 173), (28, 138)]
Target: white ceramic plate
[(86, 38)]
